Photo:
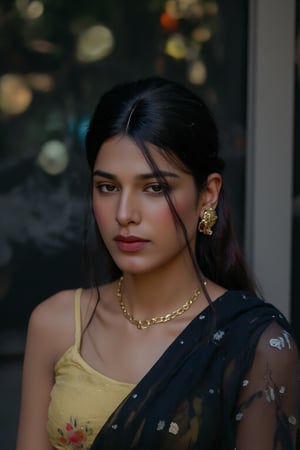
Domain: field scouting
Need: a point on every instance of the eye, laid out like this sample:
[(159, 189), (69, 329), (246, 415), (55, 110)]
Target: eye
[(157, 188), (106, 187)]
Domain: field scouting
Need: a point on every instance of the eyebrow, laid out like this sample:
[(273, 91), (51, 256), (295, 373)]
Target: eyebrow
[(142, 176)]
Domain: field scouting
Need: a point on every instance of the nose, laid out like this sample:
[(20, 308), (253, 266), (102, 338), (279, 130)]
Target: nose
[(127, 210)]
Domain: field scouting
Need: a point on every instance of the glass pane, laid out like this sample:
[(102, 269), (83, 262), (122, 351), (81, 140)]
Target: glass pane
[(55, 62)]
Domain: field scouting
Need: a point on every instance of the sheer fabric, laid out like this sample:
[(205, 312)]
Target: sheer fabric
[(230, 381)]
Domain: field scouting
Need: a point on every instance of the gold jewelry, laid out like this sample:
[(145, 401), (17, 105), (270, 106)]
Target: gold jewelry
[(207, 222), (143, 324)]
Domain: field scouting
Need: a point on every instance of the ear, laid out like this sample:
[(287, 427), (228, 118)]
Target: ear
[(210, 194)]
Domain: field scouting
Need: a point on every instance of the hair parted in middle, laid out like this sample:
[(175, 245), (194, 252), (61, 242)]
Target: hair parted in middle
[(171, 117)]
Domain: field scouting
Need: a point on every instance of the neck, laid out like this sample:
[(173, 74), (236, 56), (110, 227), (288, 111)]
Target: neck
[(158, 292)]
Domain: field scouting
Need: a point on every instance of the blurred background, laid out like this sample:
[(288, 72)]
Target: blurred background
[(56, 58)]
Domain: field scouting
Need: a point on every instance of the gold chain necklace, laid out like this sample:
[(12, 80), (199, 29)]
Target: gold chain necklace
[(143, 324)]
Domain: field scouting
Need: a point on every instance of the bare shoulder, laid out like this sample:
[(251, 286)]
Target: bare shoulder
[(54, 310), (53, 322)]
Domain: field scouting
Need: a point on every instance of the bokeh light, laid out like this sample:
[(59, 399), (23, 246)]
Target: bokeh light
[(171, 8), (176, 46), (42, 46), (15, 94), (53, 157), (168, 22), (40, 82), (94, 43), (201, 34), (197, 73), (35, 9), (211, 8), (30, 9)]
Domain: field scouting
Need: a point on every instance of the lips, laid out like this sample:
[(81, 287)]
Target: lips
[(130, 243), (129, 238)]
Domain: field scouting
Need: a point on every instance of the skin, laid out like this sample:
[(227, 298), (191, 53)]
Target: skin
[(125, 189), (127, 200)]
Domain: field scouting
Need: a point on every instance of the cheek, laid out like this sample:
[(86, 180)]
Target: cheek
[(187, 210), (164, 216)]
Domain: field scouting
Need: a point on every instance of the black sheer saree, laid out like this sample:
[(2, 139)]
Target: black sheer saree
[(237, 390)]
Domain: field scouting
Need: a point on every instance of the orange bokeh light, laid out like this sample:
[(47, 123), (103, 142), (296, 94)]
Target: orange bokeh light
[(168, 22)]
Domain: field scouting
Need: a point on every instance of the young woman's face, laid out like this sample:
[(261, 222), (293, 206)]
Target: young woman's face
[(131, 211)]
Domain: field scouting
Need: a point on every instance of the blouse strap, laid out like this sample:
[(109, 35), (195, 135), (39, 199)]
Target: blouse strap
[(77, 318)]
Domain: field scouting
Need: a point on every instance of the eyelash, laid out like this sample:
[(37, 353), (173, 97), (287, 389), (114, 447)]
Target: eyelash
[(105, 188), (100, 187), (162, 188)]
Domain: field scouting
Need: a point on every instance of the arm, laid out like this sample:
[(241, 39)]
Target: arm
[(268, 406), (47, 339)]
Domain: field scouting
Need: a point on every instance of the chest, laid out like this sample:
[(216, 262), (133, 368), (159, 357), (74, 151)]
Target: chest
[(126, 353)]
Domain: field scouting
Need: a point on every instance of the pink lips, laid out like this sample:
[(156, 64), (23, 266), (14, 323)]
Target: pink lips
[(130, 243)]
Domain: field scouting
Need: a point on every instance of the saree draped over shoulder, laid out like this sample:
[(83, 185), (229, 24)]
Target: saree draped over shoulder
[(229, 381)]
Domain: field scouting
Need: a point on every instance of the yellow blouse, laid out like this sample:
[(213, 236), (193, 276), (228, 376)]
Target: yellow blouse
[(82, 399)]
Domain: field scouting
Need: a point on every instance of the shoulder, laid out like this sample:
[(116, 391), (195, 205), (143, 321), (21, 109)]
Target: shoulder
[(52, 323), (58, 309), (275, 363), (259, 337), (270, 335), (55, 316), (243, 305), (277, 344), (54, 310), (249, 318)]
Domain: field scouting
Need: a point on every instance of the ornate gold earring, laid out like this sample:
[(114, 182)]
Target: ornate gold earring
[(207, 222)]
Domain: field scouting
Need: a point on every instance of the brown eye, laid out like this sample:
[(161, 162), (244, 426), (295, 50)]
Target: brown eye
[(157, 188), (106, 187)]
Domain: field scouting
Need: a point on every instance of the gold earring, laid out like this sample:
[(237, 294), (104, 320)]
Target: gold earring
[(207, 222)]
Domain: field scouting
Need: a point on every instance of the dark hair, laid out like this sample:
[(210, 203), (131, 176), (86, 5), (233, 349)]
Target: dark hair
[(168, 115)]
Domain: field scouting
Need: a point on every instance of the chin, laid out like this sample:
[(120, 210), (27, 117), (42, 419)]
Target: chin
[(134, 270), (127, 266), (134, 267)]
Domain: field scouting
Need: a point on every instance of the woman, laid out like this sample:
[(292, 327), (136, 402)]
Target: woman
[(173, 350)]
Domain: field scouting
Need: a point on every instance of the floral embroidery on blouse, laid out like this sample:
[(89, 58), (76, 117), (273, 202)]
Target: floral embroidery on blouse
[(74, 435)]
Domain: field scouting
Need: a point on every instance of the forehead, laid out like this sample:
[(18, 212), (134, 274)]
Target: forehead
[(122, 153)]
